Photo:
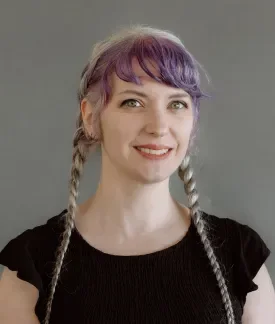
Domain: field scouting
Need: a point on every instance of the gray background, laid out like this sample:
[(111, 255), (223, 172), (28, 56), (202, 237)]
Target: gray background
[(45, 45)]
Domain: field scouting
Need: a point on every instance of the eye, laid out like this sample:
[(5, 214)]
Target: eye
[(130, 103), (179, 105)]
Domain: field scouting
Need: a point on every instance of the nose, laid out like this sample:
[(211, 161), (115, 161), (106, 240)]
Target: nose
[(157, 124)]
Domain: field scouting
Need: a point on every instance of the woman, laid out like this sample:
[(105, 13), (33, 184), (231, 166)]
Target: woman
[(131, 253)]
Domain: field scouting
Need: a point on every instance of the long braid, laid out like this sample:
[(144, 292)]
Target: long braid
[(185, 172), (81, 145)]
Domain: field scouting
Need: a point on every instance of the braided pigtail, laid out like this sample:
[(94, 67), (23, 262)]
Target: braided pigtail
[(186, 173), (81, 144)]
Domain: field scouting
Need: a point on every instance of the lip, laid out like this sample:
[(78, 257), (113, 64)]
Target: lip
[(153, 157), (154, 146)]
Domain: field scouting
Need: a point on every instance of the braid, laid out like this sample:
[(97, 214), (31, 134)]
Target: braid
[(81, 144), (185, 172)]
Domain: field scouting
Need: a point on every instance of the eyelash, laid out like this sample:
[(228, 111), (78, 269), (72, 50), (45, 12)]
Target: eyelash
[(182, 102)]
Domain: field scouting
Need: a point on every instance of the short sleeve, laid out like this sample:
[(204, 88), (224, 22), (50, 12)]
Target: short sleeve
[(17, 256), (251, 254)]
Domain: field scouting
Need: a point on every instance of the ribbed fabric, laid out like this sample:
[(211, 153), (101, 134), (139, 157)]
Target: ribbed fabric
[(174, 285)]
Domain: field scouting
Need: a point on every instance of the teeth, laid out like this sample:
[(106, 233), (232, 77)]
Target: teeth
[(156, 152)]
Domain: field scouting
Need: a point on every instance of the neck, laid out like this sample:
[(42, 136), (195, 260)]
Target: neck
[(130, 208)]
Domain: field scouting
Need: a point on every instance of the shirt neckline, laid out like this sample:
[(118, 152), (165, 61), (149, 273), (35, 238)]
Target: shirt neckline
[(88, 248)]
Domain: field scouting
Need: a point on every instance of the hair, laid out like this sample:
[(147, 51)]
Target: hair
[(178, 68)]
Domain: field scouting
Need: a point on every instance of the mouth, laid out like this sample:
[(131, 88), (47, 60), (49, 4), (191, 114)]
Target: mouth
[(153, 154)]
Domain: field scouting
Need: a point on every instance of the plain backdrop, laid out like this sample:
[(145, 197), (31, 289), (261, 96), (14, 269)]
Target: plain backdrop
[(44, 47)]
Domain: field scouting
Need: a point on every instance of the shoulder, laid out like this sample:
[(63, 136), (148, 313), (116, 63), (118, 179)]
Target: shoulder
[(235, 234), (240, 248), (28, 252), (36, 237)]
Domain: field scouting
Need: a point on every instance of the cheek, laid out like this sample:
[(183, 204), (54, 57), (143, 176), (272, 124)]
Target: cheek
[(184, 130), (118, 131)]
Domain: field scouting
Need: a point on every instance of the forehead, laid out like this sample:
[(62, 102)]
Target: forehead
[(140, 72), (118, 85)]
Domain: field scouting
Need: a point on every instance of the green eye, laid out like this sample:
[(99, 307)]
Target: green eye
[(130, 103), (179, 105)]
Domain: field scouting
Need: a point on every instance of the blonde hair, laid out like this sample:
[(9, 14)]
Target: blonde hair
[(178, 68)]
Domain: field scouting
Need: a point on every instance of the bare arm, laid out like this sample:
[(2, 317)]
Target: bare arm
[(17, 300), (260, 304)]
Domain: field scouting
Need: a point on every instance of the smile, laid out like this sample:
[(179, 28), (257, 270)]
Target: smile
[(153, 154)]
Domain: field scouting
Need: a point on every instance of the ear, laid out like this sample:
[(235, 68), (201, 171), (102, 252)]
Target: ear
[(86, 112)]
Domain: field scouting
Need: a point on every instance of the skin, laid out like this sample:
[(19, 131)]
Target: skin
[(140, 216), (260, 304)]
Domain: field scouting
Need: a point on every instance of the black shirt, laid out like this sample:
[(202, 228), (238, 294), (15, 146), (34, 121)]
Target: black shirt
[(174, 285)]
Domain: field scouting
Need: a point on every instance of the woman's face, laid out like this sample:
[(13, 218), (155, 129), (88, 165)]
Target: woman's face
[(136, 115)]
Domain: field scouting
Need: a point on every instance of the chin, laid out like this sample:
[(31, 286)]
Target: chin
[(151, 177)]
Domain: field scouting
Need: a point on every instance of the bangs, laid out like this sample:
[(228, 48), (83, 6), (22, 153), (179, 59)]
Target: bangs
[(176, 67)]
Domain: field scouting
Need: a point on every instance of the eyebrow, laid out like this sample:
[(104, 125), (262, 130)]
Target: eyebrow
[(141, 94)]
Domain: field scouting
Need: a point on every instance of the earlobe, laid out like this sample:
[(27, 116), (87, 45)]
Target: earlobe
[(86, 109), (86, 113)]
